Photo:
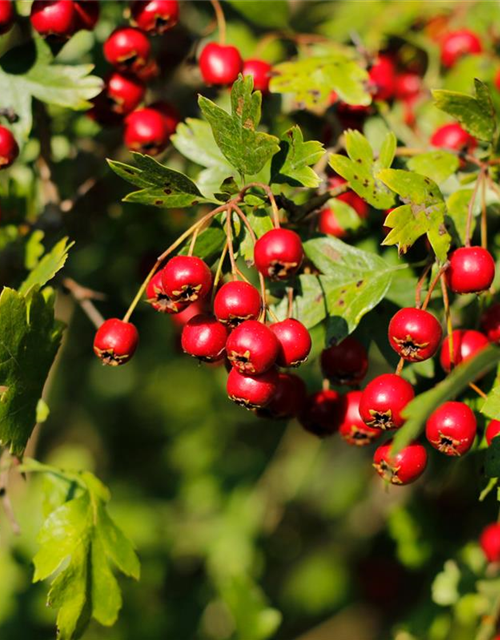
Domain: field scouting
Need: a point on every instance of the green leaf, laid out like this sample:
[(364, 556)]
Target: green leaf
[(360, 169), (313, 79), (492, 459), (48, 266), (209, 243), (476, 113), (236, 135), (445, 586), (261, 222), (458, 210), (277, 17), (491, 406), (423, 214), (160, 186), (292, 164), (437, 165), (29, 71), (29, 340), (346, 216)]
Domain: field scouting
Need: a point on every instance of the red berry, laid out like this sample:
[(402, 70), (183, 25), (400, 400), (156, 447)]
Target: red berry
[(278, 254), (321, 415), (294, 342), (127, 49), (260, 72), (352, 428), (408, 86), (123, 93), (220, 64), (187, 278), (497, 80), (459, 43), (169, 113), (350, 197), (490, 322), (383, 400), (115, 341), (451, 428), (146, 131), (252, 392), (465, 345), (383, 77), (87, 13), (186, 313), (55, 18), (452, 136), (204, 338), (155, 16), (404, 467), (328, 224), (289, 399), (490, 542), (252, 347), (345, 363), (158, 299), (8, 148), (414, 334), (471, 270), (236, 302), (7, 15), (492, 430)]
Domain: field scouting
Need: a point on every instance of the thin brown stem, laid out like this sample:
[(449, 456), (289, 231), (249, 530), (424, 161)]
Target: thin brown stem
[(470, 210), (270, 195), (420, 284), (449, 326), (84, 297), (221, 20), (484, 220), (433, 284), (479, 391), (229, 244), (218, 272), (400, 366), (290, 302), (4, 483)]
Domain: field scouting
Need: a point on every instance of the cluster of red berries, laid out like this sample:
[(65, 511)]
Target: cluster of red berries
[(221, 65)]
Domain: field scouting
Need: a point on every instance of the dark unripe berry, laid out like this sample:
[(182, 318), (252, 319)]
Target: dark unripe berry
[(383, 77), (464, 345), (414, 334), (155, 16), (56, 18), (346, 362), (87, 13), (329, 225), (204, 338), (490, 542), (7, 15), (471, 270), (352, 428), (490, 323), (457, 44), (289, 398), (278, 254), (403, 468), (220, 64), (252, 347), (452, 136), (187, 278), (492, 431), (252, 392), (321, 415), (123, 93), (8, 148), (294, 342), (383, 401), (158, 298), (115, 341), (236, 302), (451, 428), (408, 86), (146, 131), (260, 72), (127, 49)]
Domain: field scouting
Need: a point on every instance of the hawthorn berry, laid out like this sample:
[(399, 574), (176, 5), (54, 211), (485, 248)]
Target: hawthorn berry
[(294, 342), (490, 322), (186, 278), (252, 347), (414, 334), (349, 197), (451, 428), (252, 392), (87, 13), (260, 72), (346, 362), (158, 298), (408, 86), (127, 49), (8, 148), (54, 18), (169, 113), (146, 131), (490, 542), (465, 344), (289, 398), (471, 270), (204, 338), (236, 302), (383, 400), (123, 92), (193, 309), (155, 16), (115, 341), (452, 136), (492, 430), (278, 254), (329, 225), (383, 77), (352, 428), (459, 43), (7, 15), (220, 64), (497, 80), (402, 468), (321, 415)]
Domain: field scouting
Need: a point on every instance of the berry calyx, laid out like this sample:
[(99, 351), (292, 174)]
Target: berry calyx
[(204, 338), (403, 468), (321, 415), (186, 279), (7, 15), (452, 136), (8, 148), (490, 542), (383, 77), (127, 49), (236, 302), (146, 131), (346, 362), (123, 92), (490, 322), (414, 334), (451, 429), (155, 16), (252, 348), (383, 400), (294, 342), (158, 298), (492, 431), (54, 18), (252, 392), (352, 428), (278, 254), (115, 341), (464, 345), (471, 270), (329, 225), (220, 64), (260, 72), (289, 398), (457, 44)]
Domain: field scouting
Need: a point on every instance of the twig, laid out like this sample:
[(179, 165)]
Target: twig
[(420, 284), (7, 504), (221, 20), (84, 297), (433, 284), (470, 209)]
